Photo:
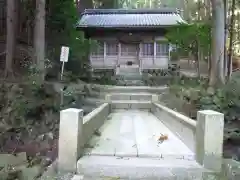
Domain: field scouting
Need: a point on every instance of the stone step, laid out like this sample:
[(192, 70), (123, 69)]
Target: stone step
[(131, 83), (133, 78), (130, 80), (131, 104), (137, 75), (129, 73), (128, 70), (131, 96), (127, 84), (139, 168), (134, 89), (102, 95), (103, 90), (122, 100)]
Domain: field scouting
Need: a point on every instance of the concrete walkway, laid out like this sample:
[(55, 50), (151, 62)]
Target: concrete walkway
[(106, 167), (134, 133)]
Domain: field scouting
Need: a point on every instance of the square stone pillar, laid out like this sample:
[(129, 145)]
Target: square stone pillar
[(209, 139), (70, 135), (108, 97), (155, 98)]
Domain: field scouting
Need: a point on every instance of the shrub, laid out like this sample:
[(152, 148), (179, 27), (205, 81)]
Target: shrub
[(225, 99)]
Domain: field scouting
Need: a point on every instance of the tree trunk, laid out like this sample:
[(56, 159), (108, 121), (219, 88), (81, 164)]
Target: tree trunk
[(208, 18), (217, 66), (39, 37), (198, 55), (225, 36), (207, 7), (238, 26), (230, 52), (197, 58), (11, 37)]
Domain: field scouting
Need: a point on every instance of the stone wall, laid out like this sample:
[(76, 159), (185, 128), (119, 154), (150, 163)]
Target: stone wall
[(183, 126), (204, 136), (94, 120), (75, 131)]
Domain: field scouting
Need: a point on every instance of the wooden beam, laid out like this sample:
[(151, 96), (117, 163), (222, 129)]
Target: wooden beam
[(154, 52), (169, 53), (119, 53), (140, 55), (139, 58), (105, 52)]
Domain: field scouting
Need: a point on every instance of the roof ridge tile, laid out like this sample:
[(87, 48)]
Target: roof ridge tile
[(131, 11)]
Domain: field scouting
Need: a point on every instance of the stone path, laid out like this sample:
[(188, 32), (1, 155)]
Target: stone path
[(134, 133), (110, 167), (128, 148)]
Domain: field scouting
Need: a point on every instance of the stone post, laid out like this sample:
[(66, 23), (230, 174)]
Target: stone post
[(209, 139), (70, 135), (108, 97), (155, 98)]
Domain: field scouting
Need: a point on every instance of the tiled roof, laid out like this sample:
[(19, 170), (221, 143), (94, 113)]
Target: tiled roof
[(129, 18)]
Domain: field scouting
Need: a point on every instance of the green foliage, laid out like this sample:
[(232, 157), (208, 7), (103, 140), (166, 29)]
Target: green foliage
[(109, 4), (174, 55), (27, 105), (190, 37), (62, 17), (105, 77), (225, 99)]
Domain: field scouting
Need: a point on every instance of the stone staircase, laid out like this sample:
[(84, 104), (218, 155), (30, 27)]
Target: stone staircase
[(97, 96), (129, 76), (122, 69), (106, 167), (97, 166), (130, 80)]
